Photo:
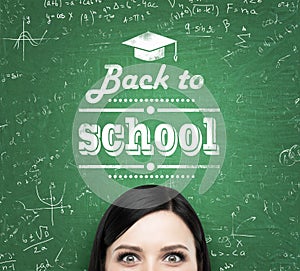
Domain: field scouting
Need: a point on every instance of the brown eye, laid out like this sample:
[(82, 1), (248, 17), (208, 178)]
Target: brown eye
[(128, 258), (174, 258)]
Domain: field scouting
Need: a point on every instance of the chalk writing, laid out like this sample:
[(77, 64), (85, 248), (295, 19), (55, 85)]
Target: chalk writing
[(242, 46), (7, 261), (10, 12), (235, 229), (10, 76), (232, 8), (276, 37), (51, 203), (11, 227), (4, 125), (284, 58), (136, 17), (200, 29), (291, 6), (68, 251), (290, 157), (226, 266), (83, 192), (37, 240), (271, 21), (190, 11), (43, 266), (243, 38), (108, 12), (33, 174), (25, 36)]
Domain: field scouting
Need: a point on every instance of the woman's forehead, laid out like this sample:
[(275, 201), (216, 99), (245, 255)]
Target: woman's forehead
[(157, 228)]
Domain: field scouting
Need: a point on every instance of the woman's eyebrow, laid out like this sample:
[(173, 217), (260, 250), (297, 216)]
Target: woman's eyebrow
[(135, 248), (173, 247)]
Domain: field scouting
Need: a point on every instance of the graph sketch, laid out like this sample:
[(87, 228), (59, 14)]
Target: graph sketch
[(51, 204), (25, 36)]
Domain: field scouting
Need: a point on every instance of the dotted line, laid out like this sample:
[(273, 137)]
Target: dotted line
[(151, 176), (161, 100)]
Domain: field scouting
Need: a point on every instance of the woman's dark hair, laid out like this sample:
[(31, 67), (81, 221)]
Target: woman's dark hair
[(135, 204)]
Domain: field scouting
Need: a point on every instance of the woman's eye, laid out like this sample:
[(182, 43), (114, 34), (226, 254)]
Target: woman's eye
[(173, 258), (130, 259)]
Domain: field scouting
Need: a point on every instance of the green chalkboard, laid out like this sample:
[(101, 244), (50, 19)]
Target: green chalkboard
[(235, 123)]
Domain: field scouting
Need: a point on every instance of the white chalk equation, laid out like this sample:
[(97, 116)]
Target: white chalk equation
[(50, 203), (7, 261), (25, 37), (37, 240)]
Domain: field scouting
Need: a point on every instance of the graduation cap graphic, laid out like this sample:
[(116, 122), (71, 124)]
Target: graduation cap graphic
[(150, 46)]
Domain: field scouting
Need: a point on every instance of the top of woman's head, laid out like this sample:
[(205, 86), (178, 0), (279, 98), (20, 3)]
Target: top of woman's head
[(133, 205), (146, 196)]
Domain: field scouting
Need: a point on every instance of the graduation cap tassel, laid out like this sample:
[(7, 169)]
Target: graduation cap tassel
[(175, 52)]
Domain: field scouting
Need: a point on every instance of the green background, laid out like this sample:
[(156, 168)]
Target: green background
[(52, 52)]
